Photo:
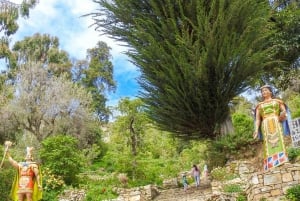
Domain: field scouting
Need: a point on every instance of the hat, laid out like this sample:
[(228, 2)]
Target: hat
[(266, 86), (29, 153)]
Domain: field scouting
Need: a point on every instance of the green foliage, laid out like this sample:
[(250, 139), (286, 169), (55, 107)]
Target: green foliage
[(10, 13), (293, 193), (222, 174), (99, 191), (44, 49), (52, 182), (97, 77), (234, 144), (99, 186), (94, 152), (241, 197), (294, 105), (194, 56), (286, 40), (243, 126), (232, 188), (50, 195), (293, 153), (61, 155), (7, 174)]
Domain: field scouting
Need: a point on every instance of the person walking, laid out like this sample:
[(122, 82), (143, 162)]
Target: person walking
[(205, 170), (184, 182), (196, 175)]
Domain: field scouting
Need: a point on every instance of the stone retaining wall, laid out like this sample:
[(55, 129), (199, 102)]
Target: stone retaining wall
[(273, 184)]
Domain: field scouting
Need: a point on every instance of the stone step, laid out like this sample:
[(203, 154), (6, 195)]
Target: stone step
[(191, 194)]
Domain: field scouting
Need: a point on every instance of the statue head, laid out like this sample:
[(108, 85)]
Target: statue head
[(267, 87), (29, 155)]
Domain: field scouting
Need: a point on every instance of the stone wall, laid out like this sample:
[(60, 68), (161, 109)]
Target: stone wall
[(273, 184), (72, 195), (143, 193), (269, 185)]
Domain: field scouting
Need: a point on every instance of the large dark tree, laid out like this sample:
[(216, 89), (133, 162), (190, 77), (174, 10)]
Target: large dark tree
[(286, 18), (194, 56)]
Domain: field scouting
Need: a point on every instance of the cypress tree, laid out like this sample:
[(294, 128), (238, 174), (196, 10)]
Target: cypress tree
[(194, 56)]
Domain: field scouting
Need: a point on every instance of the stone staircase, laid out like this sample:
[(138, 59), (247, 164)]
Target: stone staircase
[(258, 185), (191, 194)]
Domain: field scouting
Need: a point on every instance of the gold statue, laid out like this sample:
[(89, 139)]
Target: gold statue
[(27, 185)]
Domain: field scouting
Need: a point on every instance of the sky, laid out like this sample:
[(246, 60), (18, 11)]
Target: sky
[(63, 19)]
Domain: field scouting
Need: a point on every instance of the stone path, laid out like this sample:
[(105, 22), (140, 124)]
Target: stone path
[(192, 194)]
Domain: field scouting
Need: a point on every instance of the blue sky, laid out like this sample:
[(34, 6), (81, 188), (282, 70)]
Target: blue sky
[(62, 18)]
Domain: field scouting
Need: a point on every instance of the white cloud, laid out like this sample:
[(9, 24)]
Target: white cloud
[(63, 18)]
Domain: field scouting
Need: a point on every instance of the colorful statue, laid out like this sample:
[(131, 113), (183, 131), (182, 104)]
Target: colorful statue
[(271, 126), (27, 185)]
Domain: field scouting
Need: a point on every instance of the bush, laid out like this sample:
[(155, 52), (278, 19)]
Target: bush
[(232, 188), (52, 182), (241, 197), (233, 145), (6, 177), (293, 193), (99, 187), (63, 157), (294, 105), (221, 174), (293, 153)]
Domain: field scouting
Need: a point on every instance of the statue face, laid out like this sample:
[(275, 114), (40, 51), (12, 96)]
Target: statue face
[(266, 93)]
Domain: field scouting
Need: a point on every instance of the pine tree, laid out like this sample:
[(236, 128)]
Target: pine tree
[(194, 56)]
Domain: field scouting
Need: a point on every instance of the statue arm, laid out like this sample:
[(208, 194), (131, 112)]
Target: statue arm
[(283, 114), (12, 161), (37, 175), (257, 123)]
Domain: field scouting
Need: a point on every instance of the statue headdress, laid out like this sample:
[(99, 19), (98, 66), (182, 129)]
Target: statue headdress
[(29, 153), (269, 87)]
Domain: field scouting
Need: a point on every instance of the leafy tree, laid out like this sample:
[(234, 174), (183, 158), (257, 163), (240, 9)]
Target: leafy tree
[(43, 49), (286, 17), (294, 104), (45, 105), (61, 155), (96, 74), (132, 123), (194, 56), (9, 14)]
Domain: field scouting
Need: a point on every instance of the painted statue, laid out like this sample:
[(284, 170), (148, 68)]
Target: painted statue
[(271, 126), (27, 185)]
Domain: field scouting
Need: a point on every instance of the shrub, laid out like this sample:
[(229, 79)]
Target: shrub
[(232, 145), (6, 177), (221, 174), (63, 157), (241, 197), (99, 187), (232, 188), (293, 193), (52, 182), (293, 153)]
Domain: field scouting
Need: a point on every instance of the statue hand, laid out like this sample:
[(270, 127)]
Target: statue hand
[(255, 134), (282, 118), (8, 143)]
